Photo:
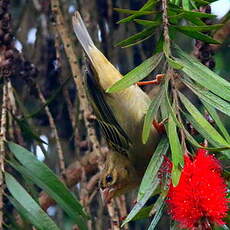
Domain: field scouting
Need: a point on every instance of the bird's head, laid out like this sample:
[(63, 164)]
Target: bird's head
[(117, 177)]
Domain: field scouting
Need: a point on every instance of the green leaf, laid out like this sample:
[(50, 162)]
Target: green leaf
[(41, 175), (195, 20), (186, 4), (176, 150), (201, 2), (137, 74), (209, 97), (157, 216), (203, 123), (174, 18), (147, 6), (169, 107), (137, 38), (138, 206), (205, 134), (143, 213), (201, 74), (153, 167), (150, 115), (172, 62), (198, 35), (25, 204), (199, 28), (190, 138), (150, 180), (147, 22), (190, 13), (212, 112), (128, 11)]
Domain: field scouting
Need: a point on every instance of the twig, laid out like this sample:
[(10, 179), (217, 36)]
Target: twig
[(166, 24), (113, 215), (56, 137), (62, 26), (122, 209), (2, 147)]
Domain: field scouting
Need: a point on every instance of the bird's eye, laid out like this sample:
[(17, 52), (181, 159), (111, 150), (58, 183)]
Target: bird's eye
[(109, 178)]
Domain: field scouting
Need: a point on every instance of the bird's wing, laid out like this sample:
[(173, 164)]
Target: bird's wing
[(113, 132)]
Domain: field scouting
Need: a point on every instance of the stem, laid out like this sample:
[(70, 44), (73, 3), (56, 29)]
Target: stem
[(165, 25), (56, 137), (2, 147)]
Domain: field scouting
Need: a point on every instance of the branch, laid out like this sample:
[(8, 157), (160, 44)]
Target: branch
[(62, 28), (53, 127), (2, 147)]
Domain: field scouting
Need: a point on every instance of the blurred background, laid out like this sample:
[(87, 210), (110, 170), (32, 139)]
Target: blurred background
[(40, 74)]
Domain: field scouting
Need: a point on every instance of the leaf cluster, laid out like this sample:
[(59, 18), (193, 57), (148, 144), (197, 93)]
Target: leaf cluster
[(172, 106)]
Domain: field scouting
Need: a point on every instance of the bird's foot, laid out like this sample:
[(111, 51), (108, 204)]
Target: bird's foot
[(159, 126), (157, 81)]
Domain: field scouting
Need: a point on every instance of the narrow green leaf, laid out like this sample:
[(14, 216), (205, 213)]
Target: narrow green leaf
[(26, 173), (176, 150), (198, 35), (157, 216), (147, 22), (201, 2), (128, 11), (186, 4), (30, 208), (164, 109), (150, 115), (143, 213), (41, 175), (147, 6), (203, 123), (195, 20), (137, 74), (191, 13), (201, 74), (150, 180), (199, 28), (209, 97), (139, 205), (153, 167), (172, 62), (136, 38), (191, 139), (177, 2), (212, 112), (169, 107), (206, 135), (174, 18)]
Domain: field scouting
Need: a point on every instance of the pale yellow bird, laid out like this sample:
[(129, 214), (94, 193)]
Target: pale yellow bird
[(121, 117)]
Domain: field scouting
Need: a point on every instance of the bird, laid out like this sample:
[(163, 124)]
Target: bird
[(120, 116)]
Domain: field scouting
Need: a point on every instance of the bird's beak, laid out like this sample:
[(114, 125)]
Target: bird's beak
[(107, 194)]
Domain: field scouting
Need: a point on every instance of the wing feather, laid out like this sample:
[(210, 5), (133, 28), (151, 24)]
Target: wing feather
[(113, 132)]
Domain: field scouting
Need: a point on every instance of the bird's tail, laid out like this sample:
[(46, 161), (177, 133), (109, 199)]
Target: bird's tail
[(82, 33)]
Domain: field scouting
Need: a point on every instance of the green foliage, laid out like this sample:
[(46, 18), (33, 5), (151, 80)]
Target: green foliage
[(171, 105), (42, 176), (150, 180), (27, 206)]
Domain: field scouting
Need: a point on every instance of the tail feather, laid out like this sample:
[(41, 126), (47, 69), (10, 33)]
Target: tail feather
[(82, 33)]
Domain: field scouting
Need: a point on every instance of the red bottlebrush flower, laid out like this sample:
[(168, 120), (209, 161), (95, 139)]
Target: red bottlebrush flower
[(200, 197)]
